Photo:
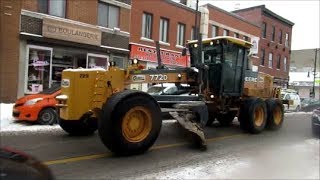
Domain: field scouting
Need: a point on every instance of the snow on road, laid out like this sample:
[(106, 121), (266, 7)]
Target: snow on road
[(8, 124)]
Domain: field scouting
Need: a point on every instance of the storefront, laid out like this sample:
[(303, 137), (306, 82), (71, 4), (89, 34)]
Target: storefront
[(59, 44), (148, 57)]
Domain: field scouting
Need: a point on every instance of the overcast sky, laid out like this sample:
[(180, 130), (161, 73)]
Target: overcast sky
[(305, 15)]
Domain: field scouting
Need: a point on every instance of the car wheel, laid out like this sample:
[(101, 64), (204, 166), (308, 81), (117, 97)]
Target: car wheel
[(47, 116)]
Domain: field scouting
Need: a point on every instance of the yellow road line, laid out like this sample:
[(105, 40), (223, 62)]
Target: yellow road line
[(96, 156)]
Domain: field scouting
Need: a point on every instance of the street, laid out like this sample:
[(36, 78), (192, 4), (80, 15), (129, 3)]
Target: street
[(291, 152)]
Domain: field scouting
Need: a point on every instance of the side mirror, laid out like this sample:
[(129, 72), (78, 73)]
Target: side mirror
[(184, 51)]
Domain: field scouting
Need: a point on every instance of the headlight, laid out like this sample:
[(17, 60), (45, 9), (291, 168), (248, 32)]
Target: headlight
[(33, 101)]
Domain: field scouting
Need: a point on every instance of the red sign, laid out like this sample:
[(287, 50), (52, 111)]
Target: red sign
[(150, 54)]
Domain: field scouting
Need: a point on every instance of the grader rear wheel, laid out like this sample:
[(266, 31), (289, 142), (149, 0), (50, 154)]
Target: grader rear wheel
[(253, 115), (275, 114), (130, 122)]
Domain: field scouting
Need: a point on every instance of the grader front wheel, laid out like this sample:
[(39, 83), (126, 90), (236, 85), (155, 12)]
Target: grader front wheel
[(130, 122)]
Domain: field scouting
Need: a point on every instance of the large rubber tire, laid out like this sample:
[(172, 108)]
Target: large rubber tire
[(115, 118), (48, 116), (226, 119), (80, 127), (275, 114), (253, 115)]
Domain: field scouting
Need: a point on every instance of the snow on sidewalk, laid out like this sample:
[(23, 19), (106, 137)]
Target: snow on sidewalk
[(9, 125)]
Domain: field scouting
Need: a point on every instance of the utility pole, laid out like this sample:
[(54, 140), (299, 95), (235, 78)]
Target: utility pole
[(314, 74), (196, 33)]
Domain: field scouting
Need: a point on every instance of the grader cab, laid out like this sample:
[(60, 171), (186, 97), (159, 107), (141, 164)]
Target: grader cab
[(222, 86)]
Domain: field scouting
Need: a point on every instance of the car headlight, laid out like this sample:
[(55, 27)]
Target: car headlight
[(33, 101)]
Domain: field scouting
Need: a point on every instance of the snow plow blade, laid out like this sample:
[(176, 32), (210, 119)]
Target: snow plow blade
[(193, 119)]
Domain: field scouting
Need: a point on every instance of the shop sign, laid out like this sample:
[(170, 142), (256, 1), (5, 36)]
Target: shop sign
[(150, 54), (70, 32), (255, 44)]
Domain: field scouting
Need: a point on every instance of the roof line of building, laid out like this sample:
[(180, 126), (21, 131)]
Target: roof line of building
[(231, 14), (268, 12), (179, 5)]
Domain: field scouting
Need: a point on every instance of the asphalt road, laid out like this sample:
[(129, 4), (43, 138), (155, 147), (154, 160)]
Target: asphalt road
[(291, 152)]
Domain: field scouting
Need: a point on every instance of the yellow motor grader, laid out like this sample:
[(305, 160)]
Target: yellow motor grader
[(222, 87)]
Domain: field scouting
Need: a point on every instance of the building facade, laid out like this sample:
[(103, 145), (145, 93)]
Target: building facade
[(40, 38), (223, 23), (275, 42)]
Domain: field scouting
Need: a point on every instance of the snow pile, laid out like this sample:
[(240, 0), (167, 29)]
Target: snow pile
[(9, 125)]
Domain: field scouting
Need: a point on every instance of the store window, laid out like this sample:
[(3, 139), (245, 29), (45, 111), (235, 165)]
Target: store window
[(147, 25), (53, 7), (97, 61), (164, 26), (181, 34), (38, 69), (108, 15)]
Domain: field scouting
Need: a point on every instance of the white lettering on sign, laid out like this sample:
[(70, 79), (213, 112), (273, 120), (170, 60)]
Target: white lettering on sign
[(158, 77), (138, 78), (251, 79)]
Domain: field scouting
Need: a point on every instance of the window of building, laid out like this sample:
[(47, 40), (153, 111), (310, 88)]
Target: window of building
[(262, 56), (287, 40), (270, 60), (246, 38), (285, 64), (53, 7), (214, 31), (225, 32), (119, 61), (180, 34), (278, 62), (193, 35), (264, 30), (273, 32), (108, 15), (280, 37), (147, 25), (164, 26), (38, 69), (236, 35)]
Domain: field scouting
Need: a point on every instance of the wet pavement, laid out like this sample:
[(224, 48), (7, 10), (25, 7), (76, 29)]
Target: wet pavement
[(291, 152)]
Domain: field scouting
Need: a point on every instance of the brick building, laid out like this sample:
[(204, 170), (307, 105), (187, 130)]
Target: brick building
[(40, 38), (275, 41), (223, 23)]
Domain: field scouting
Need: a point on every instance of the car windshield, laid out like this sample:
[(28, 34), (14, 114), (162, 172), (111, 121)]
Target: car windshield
[(155, 89), (54, 88)]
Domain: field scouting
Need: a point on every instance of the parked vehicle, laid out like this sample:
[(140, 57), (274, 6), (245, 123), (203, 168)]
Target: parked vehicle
[(38, 107), (169, 89), (19, 165), (309, 104), (294, 98), (315, 120)]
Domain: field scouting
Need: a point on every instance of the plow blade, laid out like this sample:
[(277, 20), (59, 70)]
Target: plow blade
[(187, 121)]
